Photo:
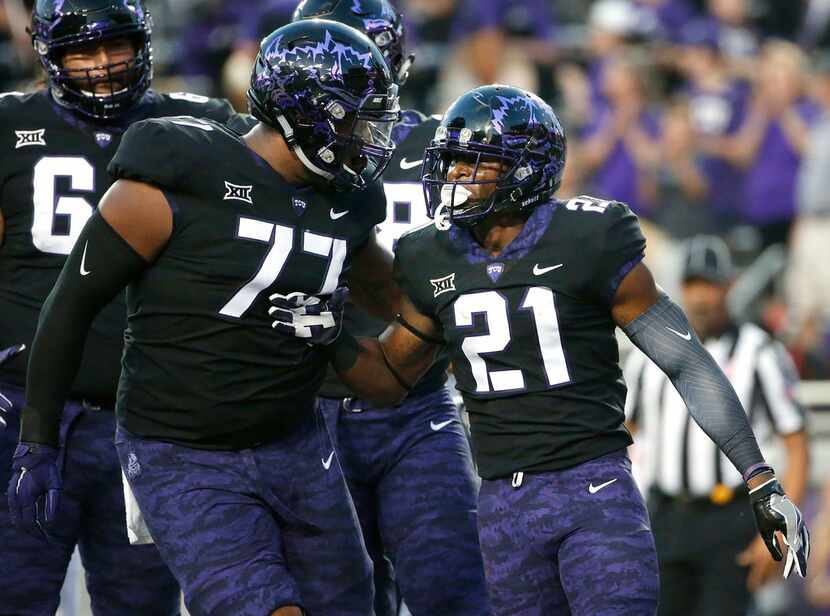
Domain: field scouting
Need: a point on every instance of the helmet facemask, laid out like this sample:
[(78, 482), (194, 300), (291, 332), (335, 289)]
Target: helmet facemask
[(357, 140), (513, 188), (80, 89)]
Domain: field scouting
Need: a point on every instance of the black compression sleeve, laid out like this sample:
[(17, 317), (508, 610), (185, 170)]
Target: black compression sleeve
[(663, 333), (99, 266)]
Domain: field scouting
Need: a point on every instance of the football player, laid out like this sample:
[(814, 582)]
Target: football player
[(218, 433), (525, 292), (56, 144), (409, 469)]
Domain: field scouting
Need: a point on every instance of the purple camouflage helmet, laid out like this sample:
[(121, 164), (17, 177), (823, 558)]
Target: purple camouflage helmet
[(502, 124), (326, 87)]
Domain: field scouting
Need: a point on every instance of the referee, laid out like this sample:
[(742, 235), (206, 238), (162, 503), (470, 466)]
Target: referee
[(710, 555)]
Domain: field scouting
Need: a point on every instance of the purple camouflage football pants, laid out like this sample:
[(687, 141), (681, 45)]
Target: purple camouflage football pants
[(575, 541), (411, 476), (247, 532), (122, 580)]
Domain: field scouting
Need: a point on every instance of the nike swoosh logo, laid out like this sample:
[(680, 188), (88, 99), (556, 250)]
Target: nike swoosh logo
[(686, 336), (84, 271), (594, 489), (538, 271), (327, 462), (336, 215), (405, 164), (439, 426)]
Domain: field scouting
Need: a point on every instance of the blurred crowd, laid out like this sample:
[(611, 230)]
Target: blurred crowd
[(705, 116)]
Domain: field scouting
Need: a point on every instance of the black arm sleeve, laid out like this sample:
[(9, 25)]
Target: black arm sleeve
[(99, 266), (663, 333)]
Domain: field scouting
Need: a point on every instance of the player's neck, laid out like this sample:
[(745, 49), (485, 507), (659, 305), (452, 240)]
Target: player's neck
[(496, 232), (270, 145)]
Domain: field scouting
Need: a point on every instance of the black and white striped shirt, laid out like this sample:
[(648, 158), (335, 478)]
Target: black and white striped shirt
[(681, 458)]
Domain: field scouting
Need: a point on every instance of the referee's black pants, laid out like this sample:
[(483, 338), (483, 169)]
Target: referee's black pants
[(697, 545)]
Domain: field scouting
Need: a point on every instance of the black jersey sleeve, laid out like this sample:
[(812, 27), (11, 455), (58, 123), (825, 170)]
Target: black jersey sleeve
[(371, 205), (147, 154), (162, 151), (621, 246), (185, 103), (408, 260)]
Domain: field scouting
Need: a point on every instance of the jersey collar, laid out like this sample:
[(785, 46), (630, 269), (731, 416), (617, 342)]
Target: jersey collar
[(535, 227)]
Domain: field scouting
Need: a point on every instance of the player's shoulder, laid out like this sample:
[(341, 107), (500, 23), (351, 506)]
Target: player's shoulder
[(188, 104), (163, 151), (17, 101), (27, 107), (173, 133), (585, 217), (420, 242)]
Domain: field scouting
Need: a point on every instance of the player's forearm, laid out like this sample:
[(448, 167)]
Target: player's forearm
[(381, 298), (98, 267), (663, 333), (362, 366)]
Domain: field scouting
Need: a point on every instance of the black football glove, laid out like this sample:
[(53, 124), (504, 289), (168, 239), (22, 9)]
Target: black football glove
[(775, 512), (34, 488), (315, 321)]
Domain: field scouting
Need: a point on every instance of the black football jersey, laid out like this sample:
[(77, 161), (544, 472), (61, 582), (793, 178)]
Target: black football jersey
[(530, 332), (405, 210), (53, 172), (202, 365)]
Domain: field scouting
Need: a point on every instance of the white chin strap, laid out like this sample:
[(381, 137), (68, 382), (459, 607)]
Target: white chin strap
[(289, 137)]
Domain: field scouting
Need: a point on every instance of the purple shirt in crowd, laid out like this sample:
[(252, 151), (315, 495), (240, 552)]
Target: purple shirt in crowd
[(671, 16), (769, 189), (617, 177), (204, 41), (720, 114), (259, 22), (534, 18)]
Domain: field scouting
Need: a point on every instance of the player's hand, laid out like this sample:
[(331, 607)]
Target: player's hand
[(315, 321), (778, 519), (761, 567), (34, 488)]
